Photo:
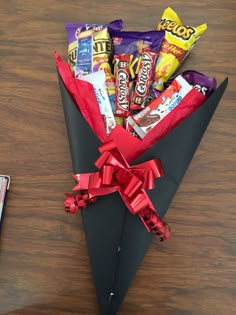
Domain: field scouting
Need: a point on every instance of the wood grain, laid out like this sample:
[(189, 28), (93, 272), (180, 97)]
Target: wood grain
[(44, 263)]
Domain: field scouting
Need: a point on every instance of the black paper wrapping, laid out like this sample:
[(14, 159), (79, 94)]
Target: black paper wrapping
[(118, 240)]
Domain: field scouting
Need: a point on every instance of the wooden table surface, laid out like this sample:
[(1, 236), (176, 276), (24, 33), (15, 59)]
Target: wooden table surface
[(44, 263)]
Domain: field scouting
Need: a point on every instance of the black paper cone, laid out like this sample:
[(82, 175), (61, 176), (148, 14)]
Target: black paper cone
[(176, 151), (117, 240), (103, 221)]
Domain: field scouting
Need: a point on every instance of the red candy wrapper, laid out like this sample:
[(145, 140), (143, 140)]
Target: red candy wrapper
[(122, 85), (130, 129), (144, 79), (149, 117), (133, 43)]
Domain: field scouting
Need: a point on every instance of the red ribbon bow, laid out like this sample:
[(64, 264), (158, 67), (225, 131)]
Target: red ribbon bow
[(130, 181)]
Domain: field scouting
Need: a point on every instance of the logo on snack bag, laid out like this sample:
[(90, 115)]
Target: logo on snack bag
[(88, 27), (101, 46), (117, 40), (122, 77), (141, 87), (201, 89), (72, 56), (181, 31)]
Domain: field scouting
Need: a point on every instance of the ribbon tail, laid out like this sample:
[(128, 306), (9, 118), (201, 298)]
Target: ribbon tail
[(141, 205), (154, 223)]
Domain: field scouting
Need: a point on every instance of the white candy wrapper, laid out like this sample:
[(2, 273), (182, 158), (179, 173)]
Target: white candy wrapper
[(150, 116), (98, 80)]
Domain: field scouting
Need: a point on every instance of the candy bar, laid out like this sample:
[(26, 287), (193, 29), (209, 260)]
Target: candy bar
[(73, 30), (150, 116), (102, 49), (122, 85), (98, 80), (204, 84), (84, 61), (144, 79)]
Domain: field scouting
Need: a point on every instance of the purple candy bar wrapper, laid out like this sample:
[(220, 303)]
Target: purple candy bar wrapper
[(205, 85), (71, 29), (132, 43)]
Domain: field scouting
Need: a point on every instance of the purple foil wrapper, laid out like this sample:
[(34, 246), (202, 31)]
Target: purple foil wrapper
[(72, 27), (205, 85)]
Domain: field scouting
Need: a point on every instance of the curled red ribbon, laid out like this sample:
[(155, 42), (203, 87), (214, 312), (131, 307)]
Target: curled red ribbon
[(130, 181)]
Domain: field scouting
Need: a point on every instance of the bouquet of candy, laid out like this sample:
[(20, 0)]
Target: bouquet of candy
[(133, 126)]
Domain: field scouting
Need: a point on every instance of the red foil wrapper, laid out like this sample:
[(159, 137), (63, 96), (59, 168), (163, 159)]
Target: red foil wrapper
[(144, 79), (122, 85)]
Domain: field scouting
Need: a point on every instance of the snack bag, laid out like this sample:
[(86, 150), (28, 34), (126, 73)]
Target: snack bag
[(179, 40), (133, 43), (73, 30)]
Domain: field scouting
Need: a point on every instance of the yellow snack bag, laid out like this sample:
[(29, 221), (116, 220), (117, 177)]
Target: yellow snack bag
[(179, 40), (102, 49)]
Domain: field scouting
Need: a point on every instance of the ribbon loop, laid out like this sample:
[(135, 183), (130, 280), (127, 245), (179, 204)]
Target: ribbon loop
[(115, 174), (107, 177), (102, 159), (132, 186)]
